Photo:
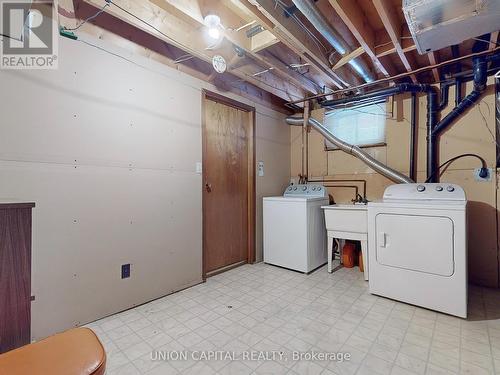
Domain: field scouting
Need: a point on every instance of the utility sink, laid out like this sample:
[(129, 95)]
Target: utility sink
[(347, 222), (346, 218)]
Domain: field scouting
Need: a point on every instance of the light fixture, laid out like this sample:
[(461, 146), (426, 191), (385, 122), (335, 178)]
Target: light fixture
[(212, 22)]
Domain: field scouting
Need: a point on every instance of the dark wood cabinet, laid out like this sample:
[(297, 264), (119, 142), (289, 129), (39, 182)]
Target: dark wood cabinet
[(15, 275)]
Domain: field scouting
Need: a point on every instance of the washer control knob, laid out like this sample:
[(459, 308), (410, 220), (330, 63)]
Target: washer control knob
[(314, 188), (295, 188), (304, 188), (450, 188), (290, 188), (439, 188), (420, 188)]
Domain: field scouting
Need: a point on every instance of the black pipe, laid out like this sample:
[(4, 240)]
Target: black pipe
[(413, 137), (445, 94), (480, 67), (379, 94), (434, 106), (458, 91)]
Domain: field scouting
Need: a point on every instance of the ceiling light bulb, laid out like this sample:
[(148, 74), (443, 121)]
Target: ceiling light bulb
[(212, 22), (214, 33)]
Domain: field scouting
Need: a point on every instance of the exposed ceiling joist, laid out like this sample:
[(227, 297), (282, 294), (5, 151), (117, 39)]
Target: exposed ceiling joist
[(391, 23), (295, 38), (359, 27), (180, 33), (238, 37), (433, 61)]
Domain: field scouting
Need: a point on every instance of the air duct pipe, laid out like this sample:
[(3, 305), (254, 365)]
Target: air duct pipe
[(320, 23), (377, 166)]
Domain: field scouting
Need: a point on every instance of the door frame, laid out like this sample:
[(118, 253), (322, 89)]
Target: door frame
[(251, 209)]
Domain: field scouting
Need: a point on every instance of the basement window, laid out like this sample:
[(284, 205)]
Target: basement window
[(363, 126)]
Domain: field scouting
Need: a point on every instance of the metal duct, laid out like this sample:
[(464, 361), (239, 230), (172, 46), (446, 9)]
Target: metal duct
[(320, 23), (355, 151)]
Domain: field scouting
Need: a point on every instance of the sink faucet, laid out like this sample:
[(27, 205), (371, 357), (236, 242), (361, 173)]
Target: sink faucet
[(359, 199)]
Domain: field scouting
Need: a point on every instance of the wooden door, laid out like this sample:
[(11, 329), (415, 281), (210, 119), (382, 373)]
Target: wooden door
[(228, 191)]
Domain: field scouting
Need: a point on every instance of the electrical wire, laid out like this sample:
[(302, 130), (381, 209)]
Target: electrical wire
[(448, 162), (182, 46), (315, 39), (90, 18), (11, 37)]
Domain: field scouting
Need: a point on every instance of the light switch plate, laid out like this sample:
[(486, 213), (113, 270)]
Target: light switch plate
[(198, 167), (260, 169)]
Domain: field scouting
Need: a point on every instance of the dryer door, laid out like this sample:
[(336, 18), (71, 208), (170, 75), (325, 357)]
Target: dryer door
[(414, 242)]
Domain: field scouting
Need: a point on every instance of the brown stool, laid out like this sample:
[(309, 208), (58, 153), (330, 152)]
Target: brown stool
[(74, 352)]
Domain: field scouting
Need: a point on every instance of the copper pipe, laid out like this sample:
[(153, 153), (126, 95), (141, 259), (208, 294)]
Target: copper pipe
[(397, 76)]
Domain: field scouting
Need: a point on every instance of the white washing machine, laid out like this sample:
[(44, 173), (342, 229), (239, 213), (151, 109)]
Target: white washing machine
[(294, 228), (417, 246)]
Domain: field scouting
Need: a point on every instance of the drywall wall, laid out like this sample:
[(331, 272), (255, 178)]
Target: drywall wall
[(106, 146), (473, 133)]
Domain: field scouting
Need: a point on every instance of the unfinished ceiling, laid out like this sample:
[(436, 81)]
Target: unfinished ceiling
[(280, 49)]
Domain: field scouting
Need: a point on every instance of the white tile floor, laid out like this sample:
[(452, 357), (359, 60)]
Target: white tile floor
[(265, 308)]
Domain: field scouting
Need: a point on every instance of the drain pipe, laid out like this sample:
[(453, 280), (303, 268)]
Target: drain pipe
[(320, 23), (480, 68), (355, 151), (413, 138)]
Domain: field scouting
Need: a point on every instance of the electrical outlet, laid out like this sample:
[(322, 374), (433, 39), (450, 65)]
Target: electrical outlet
[(483, 179), (125, 271), (260, 169)]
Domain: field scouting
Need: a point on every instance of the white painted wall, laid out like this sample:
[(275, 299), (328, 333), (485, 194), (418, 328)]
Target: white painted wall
[(107, 149)]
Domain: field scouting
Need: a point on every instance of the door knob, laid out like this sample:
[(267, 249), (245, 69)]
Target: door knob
[(208, 187)]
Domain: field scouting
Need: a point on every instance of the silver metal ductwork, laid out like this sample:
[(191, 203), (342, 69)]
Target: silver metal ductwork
[(320, 23), (355, 151), (435, 24)]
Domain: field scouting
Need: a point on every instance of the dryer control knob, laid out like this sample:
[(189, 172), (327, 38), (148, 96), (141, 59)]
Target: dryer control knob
[(290, 188), (420, 188), (439, 188), (450, 188), (304, 188), (295, 188)]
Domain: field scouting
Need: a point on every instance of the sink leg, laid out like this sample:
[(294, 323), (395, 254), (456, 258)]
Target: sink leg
[(330, 254), (364, 251)]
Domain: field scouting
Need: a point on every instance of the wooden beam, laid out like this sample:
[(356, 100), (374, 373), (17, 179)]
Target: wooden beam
[(263, 40), (493, 40), (385, 10), (231, 20), (181, 34), (433, 61), (294, 37), (359, 26), (407, 45), (114, 31), (348, 57)]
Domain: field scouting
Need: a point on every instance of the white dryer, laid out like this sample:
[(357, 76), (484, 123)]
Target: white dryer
[(417, 245), (294, 228)]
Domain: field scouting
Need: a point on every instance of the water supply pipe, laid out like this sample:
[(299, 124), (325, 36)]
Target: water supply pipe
[(353, 150)]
